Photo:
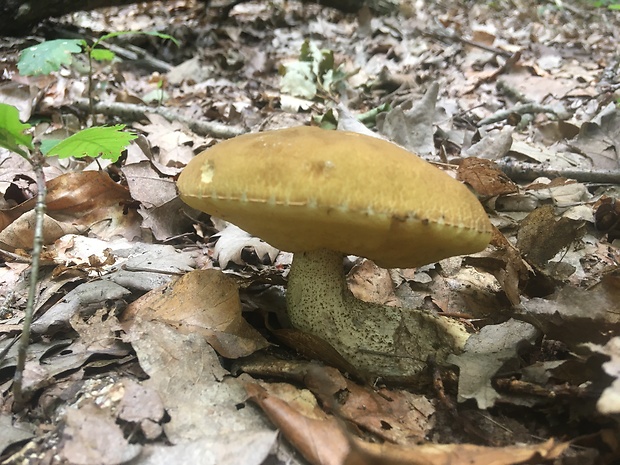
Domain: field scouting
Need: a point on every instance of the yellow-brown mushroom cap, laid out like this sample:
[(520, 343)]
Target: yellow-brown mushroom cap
[(305, 188)]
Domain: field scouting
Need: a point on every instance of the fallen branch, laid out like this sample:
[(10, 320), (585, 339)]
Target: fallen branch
[(128, 51), (131, 112), (523, 109), (526, 172), (445, 34)]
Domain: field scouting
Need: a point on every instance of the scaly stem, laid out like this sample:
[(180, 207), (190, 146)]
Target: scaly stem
[(380, 340)]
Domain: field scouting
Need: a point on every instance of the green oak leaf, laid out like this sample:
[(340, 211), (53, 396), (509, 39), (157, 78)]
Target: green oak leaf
[(48, 56), (12, 136), (106, 142)]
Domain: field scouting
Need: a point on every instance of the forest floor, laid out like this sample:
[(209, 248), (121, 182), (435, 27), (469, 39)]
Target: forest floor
[(155, 337)]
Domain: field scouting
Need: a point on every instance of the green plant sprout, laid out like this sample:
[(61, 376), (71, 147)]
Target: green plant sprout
[(95, 142), (51, 55), (158, 95), (315, 72)]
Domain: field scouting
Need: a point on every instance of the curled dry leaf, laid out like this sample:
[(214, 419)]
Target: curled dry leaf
[(410, 124), (485, 177), (492, 146), (234, 240), (607, 217), (370, 283), (84, 299), (541, 236), (76, 202), (320, 441), (92, 200), (12, 433), (364, 453), (392, 415), (324, 441), (599, 139), (20, 233), (204, 302)]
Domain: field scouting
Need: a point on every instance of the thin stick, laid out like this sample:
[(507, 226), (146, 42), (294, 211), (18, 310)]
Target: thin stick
[(22, 349), (528, 172), (132, 112)]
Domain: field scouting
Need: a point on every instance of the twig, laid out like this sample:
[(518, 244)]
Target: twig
[(442, 33), (132, 112), (522, 109), (512, 92), (526, 172), (14, 257), (128, 51), (36, 161), (510, 62)]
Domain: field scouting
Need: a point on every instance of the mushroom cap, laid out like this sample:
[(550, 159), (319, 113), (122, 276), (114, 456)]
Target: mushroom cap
[(305, 188)]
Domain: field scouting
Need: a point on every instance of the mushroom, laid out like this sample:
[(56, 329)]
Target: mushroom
[(325, 194)]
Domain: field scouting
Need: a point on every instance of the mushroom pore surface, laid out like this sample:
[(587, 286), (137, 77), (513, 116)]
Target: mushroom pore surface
[(323, 194)]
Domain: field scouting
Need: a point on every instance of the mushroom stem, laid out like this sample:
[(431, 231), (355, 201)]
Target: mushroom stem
[(376, 339)]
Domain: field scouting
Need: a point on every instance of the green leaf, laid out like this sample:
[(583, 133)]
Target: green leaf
[(102, 54), (328, 120), (312, 54), (48, 56), (370, 117), (104, 142), (299, 80), (326, 64), (157, 95), (48, 144), (12, 131)]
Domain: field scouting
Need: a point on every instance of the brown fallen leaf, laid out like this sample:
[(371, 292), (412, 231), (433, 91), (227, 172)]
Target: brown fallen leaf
[(541, 236), (485, 177), (76, 202), (393, 415), (92, 437), (320, 441), (20, 233), (505, 263), (204, 302), (607, 217), (575, 315), (92, 200), (324, 442), (364, 453), (198, 394), (370, 283)]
